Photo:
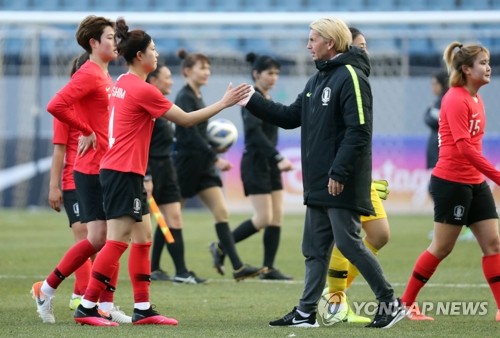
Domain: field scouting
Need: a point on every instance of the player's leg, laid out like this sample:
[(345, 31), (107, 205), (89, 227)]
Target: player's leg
[(272, 234), (484, 225), (213, 198)]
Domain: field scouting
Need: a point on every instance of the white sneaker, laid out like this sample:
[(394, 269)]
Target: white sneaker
[(43, 304), (118, 316)]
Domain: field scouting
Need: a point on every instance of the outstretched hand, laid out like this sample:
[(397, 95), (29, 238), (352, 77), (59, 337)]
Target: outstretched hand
[(244, 101), (235, 95)]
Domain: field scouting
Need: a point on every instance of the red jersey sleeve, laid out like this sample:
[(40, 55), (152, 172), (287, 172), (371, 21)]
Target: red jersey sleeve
[(153, 101), (61, 132), (79, 86)]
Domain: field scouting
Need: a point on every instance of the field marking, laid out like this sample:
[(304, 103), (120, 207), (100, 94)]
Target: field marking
[(230, 280)]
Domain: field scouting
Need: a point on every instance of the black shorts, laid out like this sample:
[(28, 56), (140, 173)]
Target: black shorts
[(259, 175), (71, 206), (461, 204), (89, 193), (196, 172), (124, 194), (165, 183)]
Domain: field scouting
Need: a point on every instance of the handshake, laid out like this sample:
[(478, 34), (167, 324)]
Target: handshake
[(382, 187)]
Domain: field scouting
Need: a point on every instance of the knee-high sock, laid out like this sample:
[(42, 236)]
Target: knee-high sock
[(157, 248), (227, 243), (176, 251), (491, 270), (271, 241), (82, 276), (425, 266), (244, 230), (337, 271), (353, 272), (140, 271), (108, 294), (75, 257), (103, 269)]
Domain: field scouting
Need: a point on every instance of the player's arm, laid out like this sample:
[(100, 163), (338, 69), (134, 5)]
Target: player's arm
[(55, 193), (230, 98)]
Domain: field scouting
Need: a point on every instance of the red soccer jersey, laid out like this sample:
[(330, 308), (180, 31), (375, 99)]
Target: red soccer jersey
[(134, 105), (461, 128), (88, 91), (65, 135)]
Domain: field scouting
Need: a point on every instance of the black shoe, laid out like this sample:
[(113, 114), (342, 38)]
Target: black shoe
[(247, 271), (217, 257), (91, 316), (388, 314), (294, 319), (159, 275), (188, 278), (151, 317), (274, 274)]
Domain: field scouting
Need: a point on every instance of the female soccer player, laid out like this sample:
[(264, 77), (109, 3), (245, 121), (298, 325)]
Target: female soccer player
[(134, 104), (261, 167), (197, 163), (88, 93), (460, 192), (62, 190), (165, 190)]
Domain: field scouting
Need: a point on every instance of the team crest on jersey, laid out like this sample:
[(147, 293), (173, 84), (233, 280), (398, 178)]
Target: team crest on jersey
[(137, 205), (76, 209), (325, 96), (458, 212)]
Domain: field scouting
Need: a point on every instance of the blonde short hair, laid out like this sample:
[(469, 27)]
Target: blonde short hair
[(334, 29)]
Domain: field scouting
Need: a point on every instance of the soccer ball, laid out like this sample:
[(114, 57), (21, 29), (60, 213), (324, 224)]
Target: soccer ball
[(222, 134), (332, 307)]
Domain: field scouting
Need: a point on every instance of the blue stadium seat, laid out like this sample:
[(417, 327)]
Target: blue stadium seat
[(14, 5), (474, 5), (378, 5)]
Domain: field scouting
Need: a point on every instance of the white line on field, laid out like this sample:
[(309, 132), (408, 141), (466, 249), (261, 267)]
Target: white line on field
[(228, 280)]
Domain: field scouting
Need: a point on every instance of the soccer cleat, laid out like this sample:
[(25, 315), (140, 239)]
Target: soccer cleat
[(217, 257), (413, 313), (332, 307), (247, 271), (159, 275), (188, 278), (353, 318), (497, 317), (74, 302), (294, 319), (91, 317), (151, 317), (118, 316), (388, 314), (43, 303), (274, 274)]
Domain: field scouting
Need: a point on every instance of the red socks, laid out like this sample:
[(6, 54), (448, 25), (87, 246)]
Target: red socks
[(424, 268), (72, 260), (139, 268), (105, 265), (82, 276), (491, 270)]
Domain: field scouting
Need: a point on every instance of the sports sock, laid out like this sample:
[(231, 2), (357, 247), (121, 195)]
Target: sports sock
[(108, 294), (72, 260), (176, 251), (157, 248), (337, 271), (425, 266), (82, 276), (105, 264), (140, 271), (352, 271), (227, 243), (491, 270), (271, 241), (244, 230)]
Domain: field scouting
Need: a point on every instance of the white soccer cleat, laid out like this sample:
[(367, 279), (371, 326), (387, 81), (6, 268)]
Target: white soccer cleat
[(116, 315), (43, 304)]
